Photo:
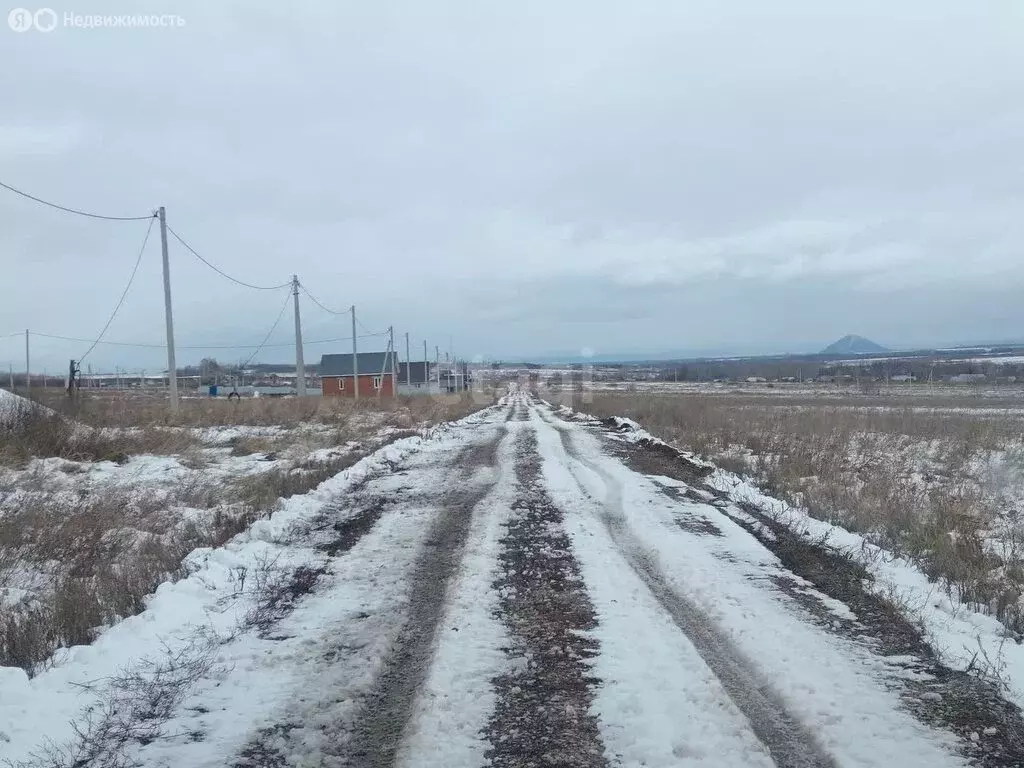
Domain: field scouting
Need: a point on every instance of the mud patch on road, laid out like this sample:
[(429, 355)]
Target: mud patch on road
[(542, 716), (696, 524), (351, 529), (815, 603), (684, 516)]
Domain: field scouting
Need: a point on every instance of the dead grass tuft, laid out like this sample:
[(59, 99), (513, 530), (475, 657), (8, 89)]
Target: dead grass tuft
[(28, 430)]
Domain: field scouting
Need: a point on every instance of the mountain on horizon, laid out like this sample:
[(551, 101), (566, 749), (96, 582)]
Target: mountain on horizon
[(853, 345)]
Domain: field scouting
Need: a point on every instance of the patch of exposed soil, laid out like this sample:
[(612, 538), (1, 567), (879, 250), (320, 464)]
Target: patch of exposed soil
[(542, 716)]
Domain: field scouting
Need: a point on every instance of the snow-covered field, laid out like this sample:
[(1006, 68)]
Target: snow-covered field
[(529, 587)]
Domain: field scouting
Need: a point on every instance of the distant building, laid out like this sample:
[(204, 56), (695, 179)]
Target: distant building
[(338, 379), (904, 377), (454, 377), (420, 381)]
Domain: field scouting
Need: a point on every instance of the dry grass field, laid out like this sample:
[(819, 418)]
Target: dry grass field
[(102, 500)]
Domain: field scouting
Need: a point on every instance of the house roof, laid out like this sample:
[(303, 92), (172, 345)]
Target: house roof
[(416, 373), (370, 364)]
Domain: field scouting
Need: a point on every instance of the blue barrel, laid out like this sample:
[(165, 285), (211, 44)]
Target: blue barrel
[(213, 390)]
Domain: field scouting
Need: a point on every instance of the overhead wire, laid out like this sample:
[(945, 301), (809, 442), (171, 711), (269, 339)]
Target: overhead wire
[(152, 218), (124, 293), (75, 211), (89, 341), (359, 322), (145, 345), (220, 271), (316, 301), (269, 333)]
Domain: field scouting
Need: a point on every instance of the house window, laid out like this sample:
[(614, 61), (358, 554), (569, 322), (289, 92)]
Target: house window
[(341, 384), (376, 382)]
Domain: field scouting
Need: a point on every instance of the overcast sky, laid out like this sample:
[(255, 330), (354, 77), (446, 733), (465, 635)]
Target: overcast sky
[(524, 178)]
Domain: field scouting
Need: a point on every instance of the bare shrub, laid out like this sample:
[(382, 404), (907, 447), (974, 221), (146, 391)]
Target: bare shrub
[(131, 709), (276, 590)]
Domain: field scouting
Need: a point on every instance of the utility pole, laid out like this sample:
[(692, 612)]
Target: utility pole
[(437, 356), (10, 370), (408, 362), (300, 363), (355, 356), (426, 368), (28, 376), (172, 368), (394, 367)]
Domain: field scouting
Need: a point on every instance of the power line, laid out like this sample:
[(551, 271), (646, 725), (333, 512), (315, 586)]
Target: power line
[(342, 312), (124, 293), (75, 210), (317, 302), (90, 341), (221, 272), (287, 300), (145, 345)]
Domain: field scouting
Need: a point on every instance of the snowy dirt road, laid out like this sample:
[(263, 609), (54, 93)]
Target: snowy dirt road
[(539, 590)]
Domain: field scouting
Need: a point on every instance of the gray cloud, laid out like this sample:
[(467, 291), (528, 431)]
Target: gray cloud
[(524, 178)]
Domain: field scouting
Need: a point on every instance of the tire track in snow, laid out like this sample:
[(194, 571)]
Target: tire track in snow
[(543, 712), (790, 743), (388, 708), (377, 536)]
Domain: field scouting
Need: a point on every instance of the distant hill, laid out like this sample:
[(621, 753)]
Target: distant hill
[(854, 345)]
